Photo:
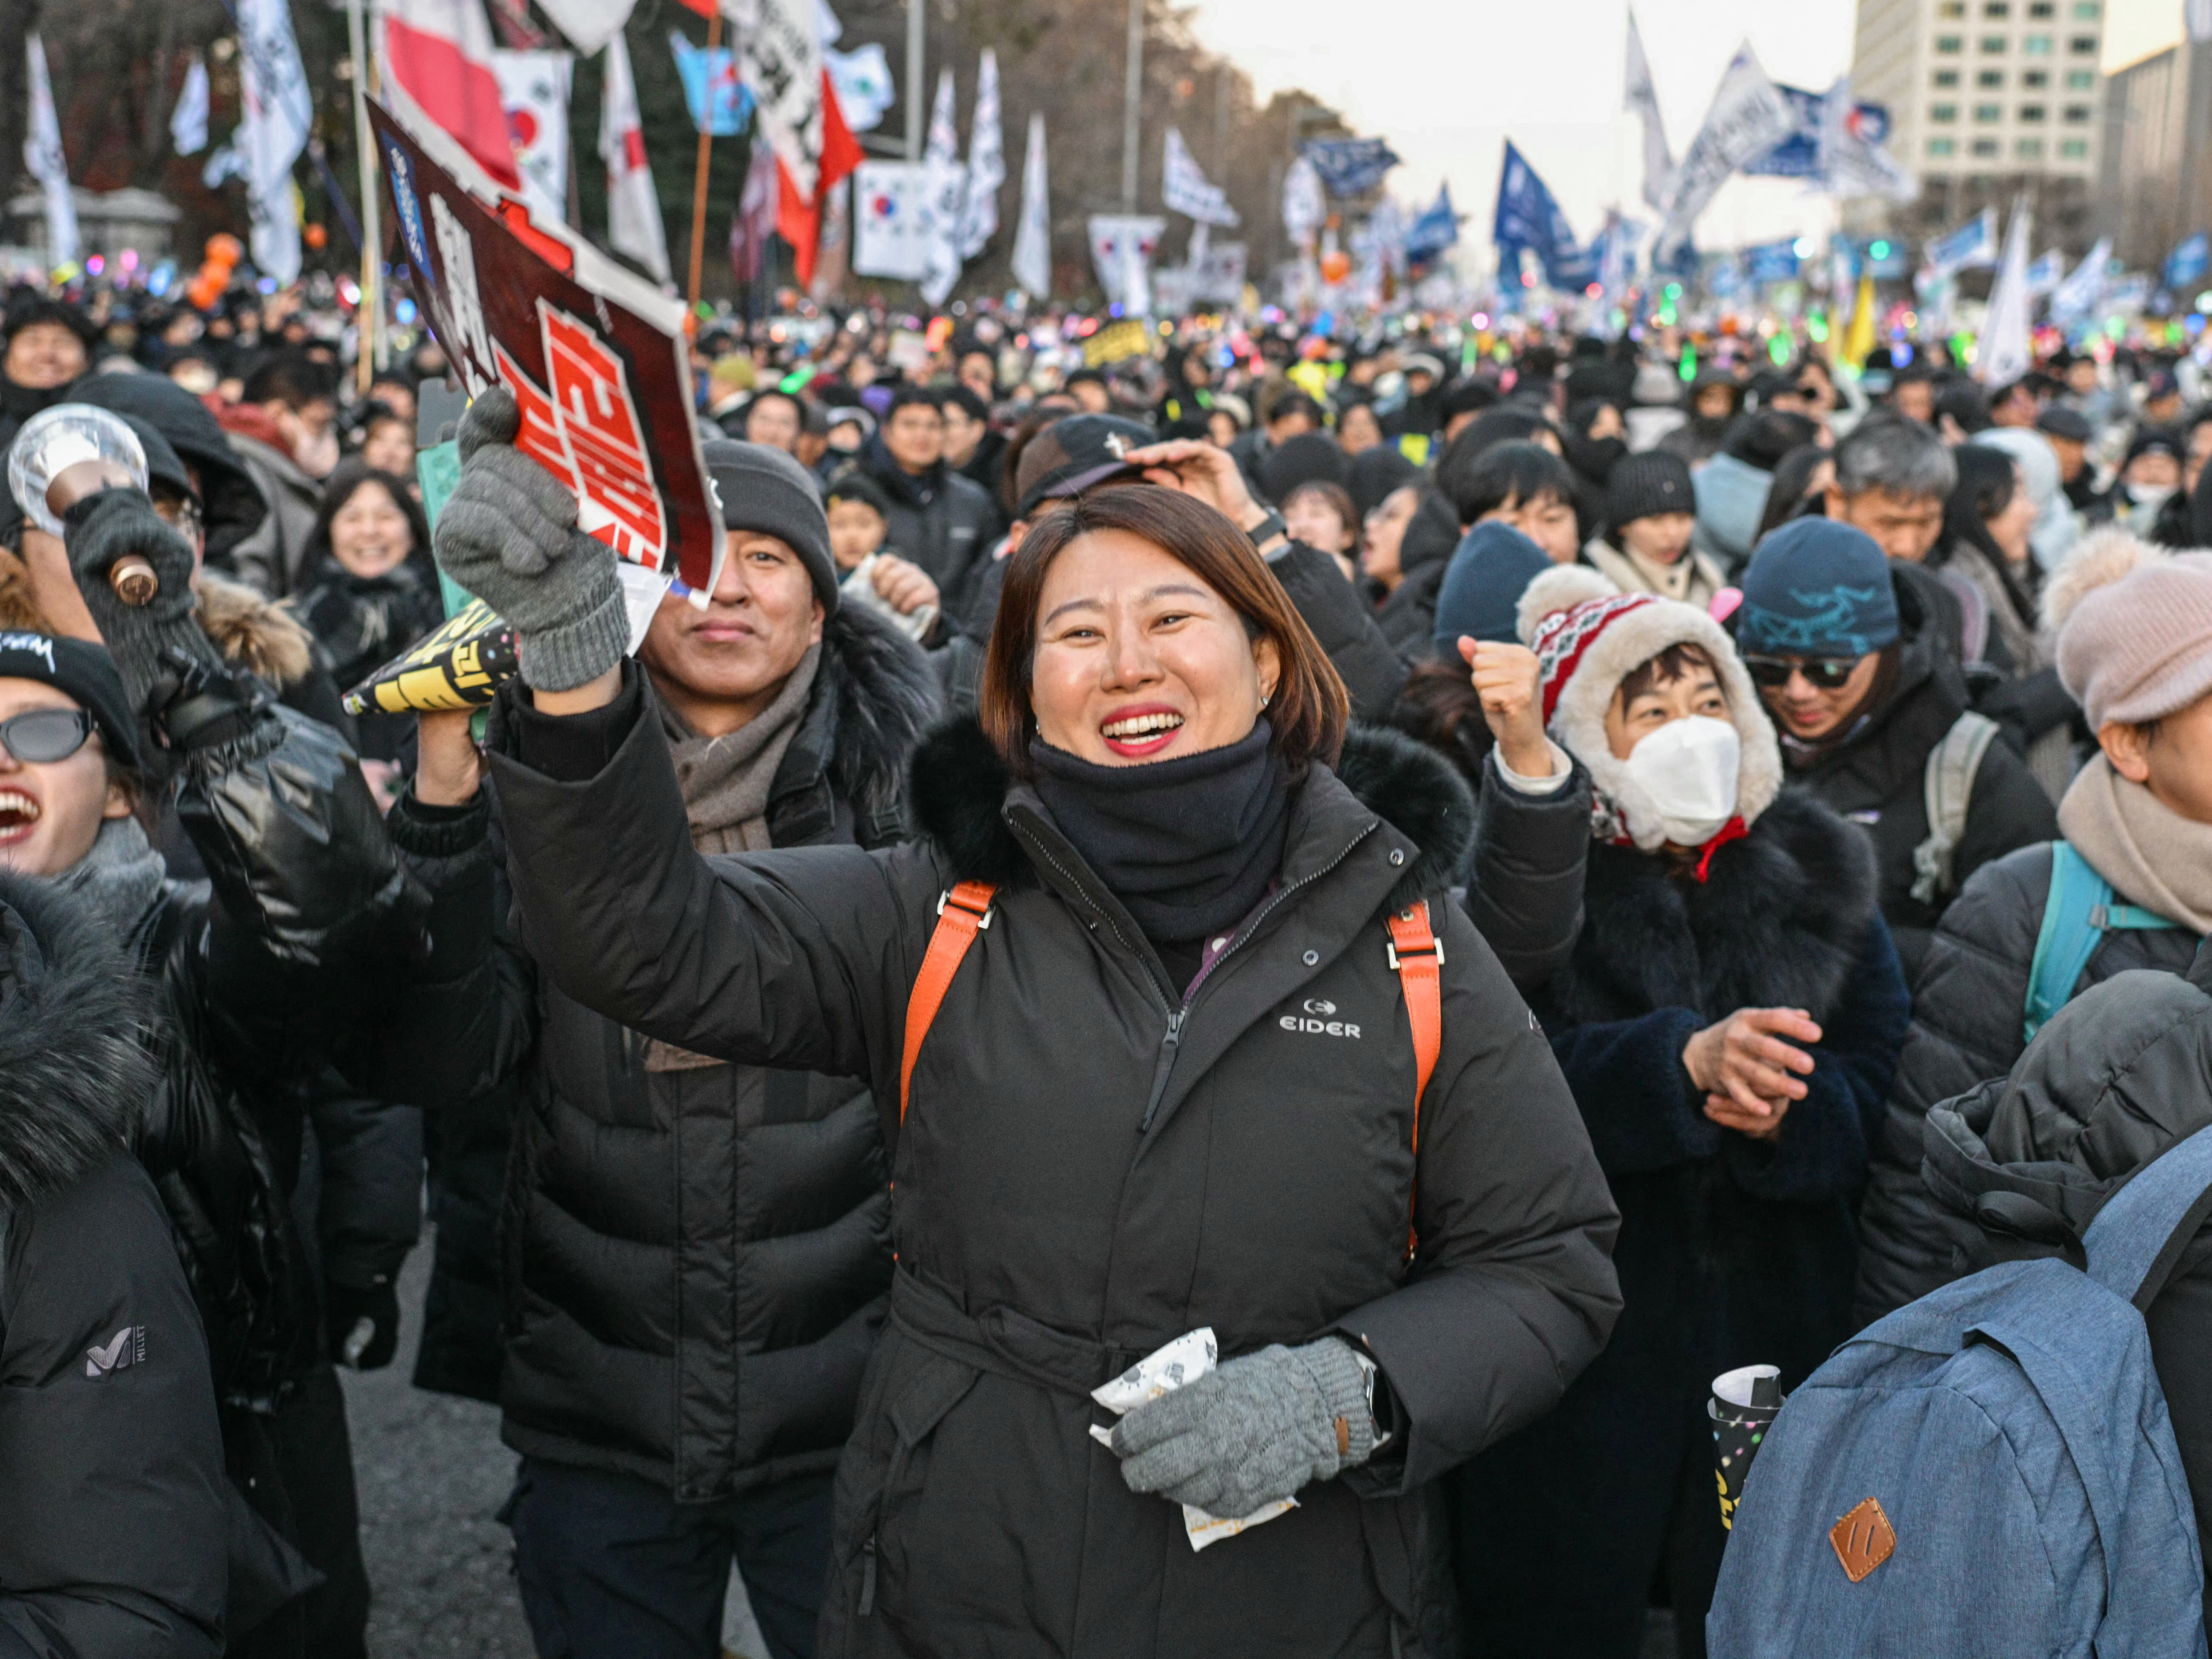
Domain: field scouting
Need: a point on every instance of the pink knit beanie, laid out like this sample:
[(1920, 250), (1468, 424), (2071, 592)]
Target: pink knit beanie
[(2135, 629)]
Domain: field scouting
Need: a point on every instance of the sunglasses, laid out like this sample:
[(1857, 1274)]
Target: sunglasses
[(1822, 673), (43, 736)]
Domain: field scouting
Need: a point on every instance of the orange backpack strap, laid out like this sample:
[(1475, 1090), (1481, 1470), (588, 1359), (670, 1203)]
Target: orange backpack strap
[(1418, 955), (961, 914)]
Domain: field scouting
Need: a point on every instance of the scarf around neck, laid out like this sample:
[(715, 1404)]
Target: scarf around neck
[(1187, 845), (119, 878), (725, 781), (2153, 856)]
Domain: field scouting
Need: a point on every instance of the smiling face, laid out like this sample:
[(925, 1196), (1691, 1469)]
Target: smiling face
[(43, 356), (1810, 709), (720, 666), (369, 535), (50, 811), (1138, 659)]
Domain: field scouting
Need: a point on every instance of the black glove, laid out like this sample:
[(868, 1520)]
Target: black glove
[(363, 1322), (155, 643)]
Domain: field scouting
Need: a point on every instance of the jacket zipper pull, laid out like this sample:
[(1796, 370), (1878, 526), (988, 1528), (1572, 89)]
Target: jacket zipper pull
[(868, 1577), (1165, 1065)]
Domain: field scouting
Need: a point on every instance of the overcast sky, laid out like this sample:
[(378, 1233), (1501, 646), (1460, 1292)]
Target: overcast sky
[(1446, 80)]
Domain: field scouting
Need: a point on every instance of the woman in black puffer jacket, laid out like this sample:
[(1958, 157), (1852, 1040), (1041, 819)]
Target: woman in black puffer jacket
[(253, 971)]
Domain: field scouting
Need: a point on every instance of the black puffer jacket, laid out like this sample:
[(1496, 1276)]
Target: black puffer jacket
[(941, 521), (111, 1490), (1969, 1014), (1079, 1181), (694, 1259), (1878, 778), (2019, 1167)]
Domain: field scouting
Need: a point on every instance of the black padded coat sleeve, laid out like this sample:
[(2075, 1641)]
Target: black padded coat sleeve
[(1531, 853), (1344, 627)]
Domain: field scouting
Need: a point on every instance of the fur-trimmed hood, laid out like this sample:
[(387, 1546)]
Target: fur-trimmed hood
[(875, 695), (252, 632), (960, 784), (74, 1078), (1778, 922)]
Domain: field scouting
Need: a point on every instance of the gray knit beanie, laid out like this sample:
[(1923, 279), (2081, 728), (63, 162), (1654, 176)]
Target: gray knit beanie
[(2134, 629), (767, 491)]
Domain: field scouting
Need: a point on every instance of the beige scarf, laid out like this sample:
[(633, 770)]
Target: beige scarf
[(2153, 856)]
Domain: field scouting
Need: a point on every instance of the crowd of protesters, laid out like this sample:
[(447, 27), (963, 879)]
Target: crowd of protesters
[(1484, 863)]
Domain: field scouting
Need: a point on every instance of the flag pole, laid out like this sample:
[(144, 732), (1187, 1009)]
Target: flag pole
[(706, 148), (369, 316)]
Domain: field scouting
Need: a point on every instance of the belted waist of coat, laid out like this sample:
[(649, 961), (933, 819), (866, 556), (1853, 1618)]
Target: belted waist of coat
[(1003, 1341)]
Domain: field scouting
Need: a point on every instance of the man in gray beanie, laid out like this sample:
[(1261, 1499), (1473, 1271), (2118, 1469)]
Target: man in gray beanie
[(700, 1249)]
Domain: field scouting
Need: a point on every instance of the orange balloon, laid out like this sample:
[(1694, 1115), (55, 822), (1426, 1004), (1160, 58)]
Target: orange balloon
[(315, 235), (224, 249), (1336, 267)]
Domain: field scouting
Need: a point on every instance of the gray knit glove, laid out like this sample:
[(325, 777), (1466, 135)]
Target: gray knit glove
[(1255, 1430), (508, 535)]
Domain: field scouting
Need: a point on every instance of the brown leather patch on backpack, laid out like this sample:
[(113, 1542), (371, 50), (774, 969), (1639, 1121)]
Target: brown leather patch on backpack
[(1863, 1539)]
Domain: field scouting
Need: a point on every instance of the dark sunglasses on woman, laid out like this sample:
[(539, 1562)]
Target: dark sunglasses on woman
[(40, 737), (1823, 673)]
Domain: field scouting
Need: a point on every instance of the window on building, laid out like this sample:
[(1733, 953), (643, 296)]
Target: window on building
[(1950, 8), (1989, 78), (2082, 45), (1987, 112), (2035, 46), (1997, 7), (1986, 147), (2039, 10), (2087, 11), (2077, 115), (2035, 80), (1994, 45), (1949, 42), (2031, 112), (2073, 149), (1942, 112), (1946, 78), (2029, 149), (1942, 146), (2080, 80)]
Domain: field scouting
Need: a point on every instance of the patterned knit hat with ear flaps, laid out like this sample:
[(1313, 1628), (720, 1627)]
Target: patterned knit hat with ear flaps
[(1588, 636)]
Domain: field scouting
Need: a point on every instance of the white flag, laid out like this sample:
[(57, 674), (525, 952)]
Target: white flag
[(2046, 273), (2197, 16), (1851, 163), (1749, 116), (781, 54), (534, 90), (273, 88), (1185, 188), (2004, 352), (1305, 206), (188, 122), (945, 194), (890, 236), (986, 162), (634, 225), (1033, 240), (589, 24), (43, 160), (1641, 99), (1121, 248), (863, 83), (2076, 296)]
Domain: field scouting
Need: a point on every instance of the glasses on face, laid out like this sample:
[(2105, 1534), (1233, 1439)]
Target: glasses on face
[(1822, 673), (43, 736), (180, 514)]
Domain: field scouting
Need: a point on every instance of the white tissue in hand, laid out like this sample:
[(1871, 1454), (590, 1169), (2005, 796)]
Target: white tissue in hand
[(1186, 1359)]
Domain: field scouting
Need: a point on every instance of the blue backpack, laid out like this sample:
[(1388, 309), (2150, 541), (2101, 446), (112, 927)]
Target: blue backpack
[(1989, 1473), (2076, 915)]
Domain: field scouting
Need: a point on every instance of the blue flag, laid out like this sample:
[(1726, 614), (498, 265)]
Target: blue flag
[(1798, 156), (1973, 244), (1528, 217), (1350, 167), (720, 104), (1434, 231), (2189, 261)]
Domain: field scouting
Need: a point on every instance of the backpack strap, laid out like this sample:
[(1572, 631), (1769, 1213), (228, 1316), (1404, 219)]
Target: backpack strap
[(961, 914), (2142, 1230), (2076, 915), (1948, 787), (1417, 956)]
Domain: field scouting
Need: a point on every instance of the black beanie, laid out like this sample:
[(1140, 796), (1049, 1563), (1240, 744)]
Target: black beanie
[(84, 671), (1646, 485), (767, 491), (1310, 457)]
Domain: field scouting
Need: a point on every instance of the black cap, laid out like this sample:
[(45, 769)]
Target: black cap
[(162, 465), (2060, 422), (235, 507), (1076, 453), (2155, 441), (83, 669)]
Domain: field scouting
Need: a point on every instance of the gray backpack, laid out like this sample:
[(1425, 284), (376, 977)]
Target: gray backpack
[(1948, 787), (1988, 1471)]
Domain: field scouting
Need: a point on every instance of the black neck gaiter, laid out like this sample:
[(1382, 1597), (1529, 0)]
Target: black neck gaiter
[(1187, 845)]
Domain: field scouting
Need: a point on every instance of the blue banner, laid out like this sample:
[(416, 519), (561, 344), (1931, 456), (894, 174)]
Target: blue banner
[(2189, 261), (1434, 231), (1350, 167), (1798, 156), (1771, 262), (719, 102), (1530, 217)]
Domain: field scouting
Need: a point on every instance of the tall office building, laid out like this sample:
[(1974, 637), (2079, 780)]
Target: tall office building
[(1987, 98)]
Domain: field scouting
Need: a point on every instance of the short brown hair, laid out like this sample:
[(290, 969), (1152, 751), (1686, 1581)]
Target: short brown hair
[(1676, 662), (1308, 708)]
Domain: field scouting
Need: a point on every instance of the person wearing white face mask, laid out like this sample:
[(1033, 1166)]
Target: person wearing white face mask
[(1728, 1023)]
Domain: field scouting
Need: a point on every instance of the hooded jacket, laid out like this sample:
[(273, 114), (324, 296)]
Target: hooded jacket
[(2018, 1167), (271, 558), (693, 1259), (942, 521), (1083, 1177), (110, 1457), (1877, 777)]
